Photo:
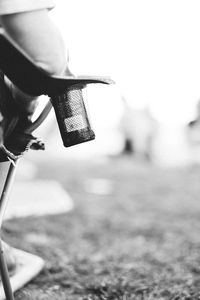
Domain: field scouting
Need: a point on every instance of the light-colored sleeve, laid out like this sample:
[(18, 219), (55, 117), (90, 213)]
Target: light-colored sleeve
[(17, 6)]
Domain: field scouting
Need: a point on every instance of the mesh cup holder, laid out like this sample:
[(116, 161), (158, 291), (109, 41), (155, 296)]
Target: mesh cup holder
[(72, 116)]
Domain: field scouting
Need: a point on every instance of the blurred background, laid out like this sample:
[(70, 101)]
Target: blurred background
[(132, 195), (151, 50)]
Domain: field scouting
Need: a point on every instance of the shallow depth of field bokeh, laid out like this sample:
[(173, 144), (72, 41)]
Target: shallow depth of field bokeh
[(134, 232)]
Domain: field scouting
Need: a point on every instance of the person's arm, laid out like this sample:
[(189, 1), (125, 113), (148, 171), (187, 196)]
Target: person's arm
[(36, 34)]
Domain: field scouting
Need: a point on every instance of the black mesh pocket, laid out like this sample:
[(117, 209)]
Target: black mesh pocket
[(72, 116)]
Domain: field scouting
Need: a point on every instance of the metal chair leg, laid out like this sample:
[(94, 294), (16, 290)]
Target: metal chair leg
[(3, 203), (6, 189), (5, 275)]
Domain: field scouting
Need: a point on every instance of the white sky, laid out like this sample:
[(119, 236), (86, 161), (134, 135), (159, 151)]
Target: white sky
[(151, 48)]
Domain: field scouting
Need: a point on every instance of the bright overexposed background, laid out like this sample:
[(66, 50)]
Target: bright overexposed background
[(150, 48)]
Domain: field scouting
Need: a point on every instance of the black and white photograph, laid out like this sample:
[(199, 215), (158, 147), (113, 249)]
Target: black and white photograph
[(99, 150)]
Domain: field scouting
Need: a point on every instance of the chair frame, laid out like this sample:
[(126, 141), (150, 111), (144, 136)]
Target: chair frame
[(4, 198)]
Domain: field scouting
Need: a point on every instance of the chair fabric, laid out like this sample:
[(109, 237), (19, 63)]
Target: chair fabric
[(14, 140)]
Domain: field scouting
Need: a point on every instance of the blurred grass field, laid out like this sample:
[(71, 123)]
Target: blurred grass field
[(134, 233)]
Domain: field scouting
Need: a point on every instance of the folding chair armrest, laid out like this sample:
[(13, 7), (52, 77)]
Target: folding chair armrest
[(22, 71)]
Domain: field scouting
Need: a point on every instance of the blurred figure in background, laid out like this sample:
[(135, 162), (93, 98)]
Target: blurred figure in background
[(193, 127), (138, 128), (193, 136)]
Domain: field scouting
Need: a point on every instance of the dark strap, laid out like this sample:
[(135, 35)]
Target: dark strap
[(8, 110)]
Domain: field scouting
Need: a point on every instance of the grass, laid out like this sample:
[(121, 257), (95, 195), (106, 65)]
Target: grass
[(140, 240)]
